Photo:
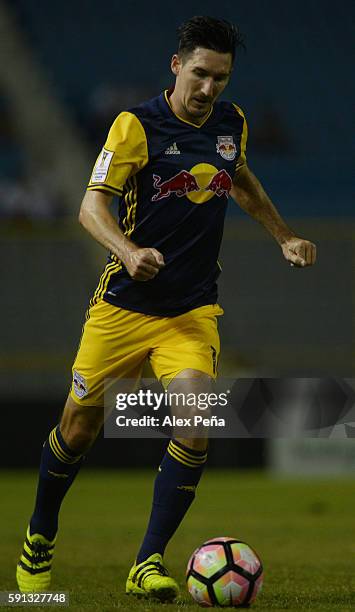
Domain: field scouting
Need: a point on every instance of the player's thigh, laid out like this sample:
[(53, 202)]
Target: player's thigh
[(111, 348), (189, 342)]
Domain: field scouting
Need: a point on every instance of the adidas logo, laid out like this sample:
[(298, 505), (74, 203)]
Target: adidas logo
[(172, 150)]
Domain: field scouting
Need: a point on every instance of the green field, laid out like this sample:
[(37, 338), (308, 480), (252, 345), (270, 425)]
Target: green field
[(304, 532)]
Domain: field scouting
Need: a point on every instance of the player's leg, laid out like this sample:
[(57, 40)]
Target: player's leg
[(191, 339), (101, 352), (80, 425), (174, 491), (61, 459), (179, 473)]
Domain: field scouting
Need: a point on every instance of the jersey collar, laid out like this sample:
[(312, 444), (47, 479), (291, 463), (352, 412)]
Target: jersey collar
[(166, 97)]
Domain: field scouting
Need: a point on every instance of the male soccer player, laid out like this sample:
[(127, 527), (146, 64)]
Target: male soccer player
[(173, 162)]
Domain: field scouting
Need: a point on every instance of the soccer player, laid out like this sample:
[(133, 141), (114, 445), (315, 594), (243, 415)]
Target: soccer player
[(173, 162)]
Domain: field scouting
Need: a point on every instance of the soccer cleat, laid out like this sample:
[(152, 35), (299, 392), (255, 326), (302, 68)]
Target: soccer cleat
[(151, 579), (34, 568)]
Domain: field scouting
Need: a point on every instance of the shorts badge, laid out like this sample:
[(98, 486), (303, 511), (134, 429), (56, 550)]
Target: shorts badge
[(80, 386), (226, 148)]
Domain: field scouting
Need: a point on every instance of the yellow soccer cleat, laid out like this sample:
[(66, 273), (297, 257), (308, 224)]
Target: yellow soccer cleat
[(34, 568), (151, 579)]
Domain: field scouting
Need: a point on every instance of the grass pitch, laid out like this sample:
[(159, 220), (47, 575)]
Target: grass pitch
[(304, 532)]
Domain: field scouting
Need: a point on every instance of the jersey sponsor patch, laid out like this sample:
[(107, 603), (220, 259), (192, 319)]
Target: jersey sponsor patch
[(80, 386), (199, 185), (102, 166), (226, 148)]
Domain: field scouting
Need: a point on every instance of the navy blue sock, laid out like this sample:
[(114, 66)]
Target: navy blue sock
[(174, 492), (58, 468)]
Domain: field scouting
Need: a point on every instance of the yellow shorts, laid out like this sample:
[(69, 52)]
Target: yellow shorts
[(116, 343)]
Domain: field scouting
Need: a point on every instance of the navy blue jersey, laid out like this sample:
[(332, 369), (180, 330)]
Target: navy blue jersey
[(172, 178)]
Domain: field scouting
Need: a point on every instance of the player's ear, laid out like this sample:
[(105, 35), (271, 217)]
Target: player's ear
[(175, 64)]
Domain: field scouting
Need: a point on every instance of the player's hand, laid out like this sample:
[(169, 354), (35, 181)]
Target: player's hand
[(143, 264), (299, 252)]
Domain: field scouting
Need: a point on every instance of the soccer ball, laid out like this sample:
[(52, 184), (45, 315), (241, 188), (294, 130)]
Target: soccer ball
[(224, 572)]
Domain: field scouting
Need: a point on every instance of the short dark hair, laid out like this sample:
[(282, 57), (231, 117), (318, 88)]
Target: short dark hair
[(209, 33)]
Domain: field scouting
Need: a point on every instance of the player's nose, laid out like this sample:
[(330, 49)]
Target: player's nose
[(207, 88)]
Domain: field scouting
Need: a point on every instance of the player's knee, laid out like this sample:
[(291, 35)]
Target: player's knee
[(79, 440), (189, 394), (80, 425)]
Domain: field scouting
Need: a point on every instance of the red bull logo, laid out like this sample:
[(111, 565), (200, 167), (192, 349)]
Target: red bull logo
[(180, 185), (199, 185), (221, 184)]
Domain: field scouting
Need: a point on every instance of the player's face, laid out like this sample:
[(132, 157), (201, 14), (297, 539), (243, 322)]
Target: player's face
[(200, 79)]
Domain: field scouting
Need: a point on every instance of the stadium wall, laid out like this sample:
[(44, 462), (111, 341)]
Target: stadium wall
[(279, 321)]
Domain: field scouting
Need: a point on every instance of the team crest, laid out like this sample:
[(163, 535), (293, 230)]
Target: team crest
[(226, 148), (80, 386)]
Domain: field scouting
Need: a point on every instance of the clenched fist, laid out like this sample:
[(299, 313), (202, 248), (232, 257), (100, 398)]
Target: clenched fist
[(299, 252), (143, 264)]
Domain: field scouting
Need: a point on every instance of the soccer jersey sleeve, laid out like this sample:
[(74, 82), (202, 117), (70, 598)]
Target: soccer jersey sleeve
[(242, 159), (124, 154)]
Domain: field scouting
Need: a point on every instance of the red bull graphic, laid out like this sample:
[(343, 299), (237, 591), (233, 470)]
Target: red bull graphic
[(180, 185), (221, 184), (199, 184)]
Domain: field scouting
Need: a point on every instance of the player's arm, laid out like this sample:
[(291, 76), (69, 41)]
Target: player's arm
[(250, 195), (142, 263), (125, 153)]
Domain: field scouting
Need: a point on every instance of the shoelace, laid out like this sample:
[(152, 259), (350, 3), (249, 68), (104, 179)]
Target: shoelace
[(152, 567), (161, 569), (40, 553)]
